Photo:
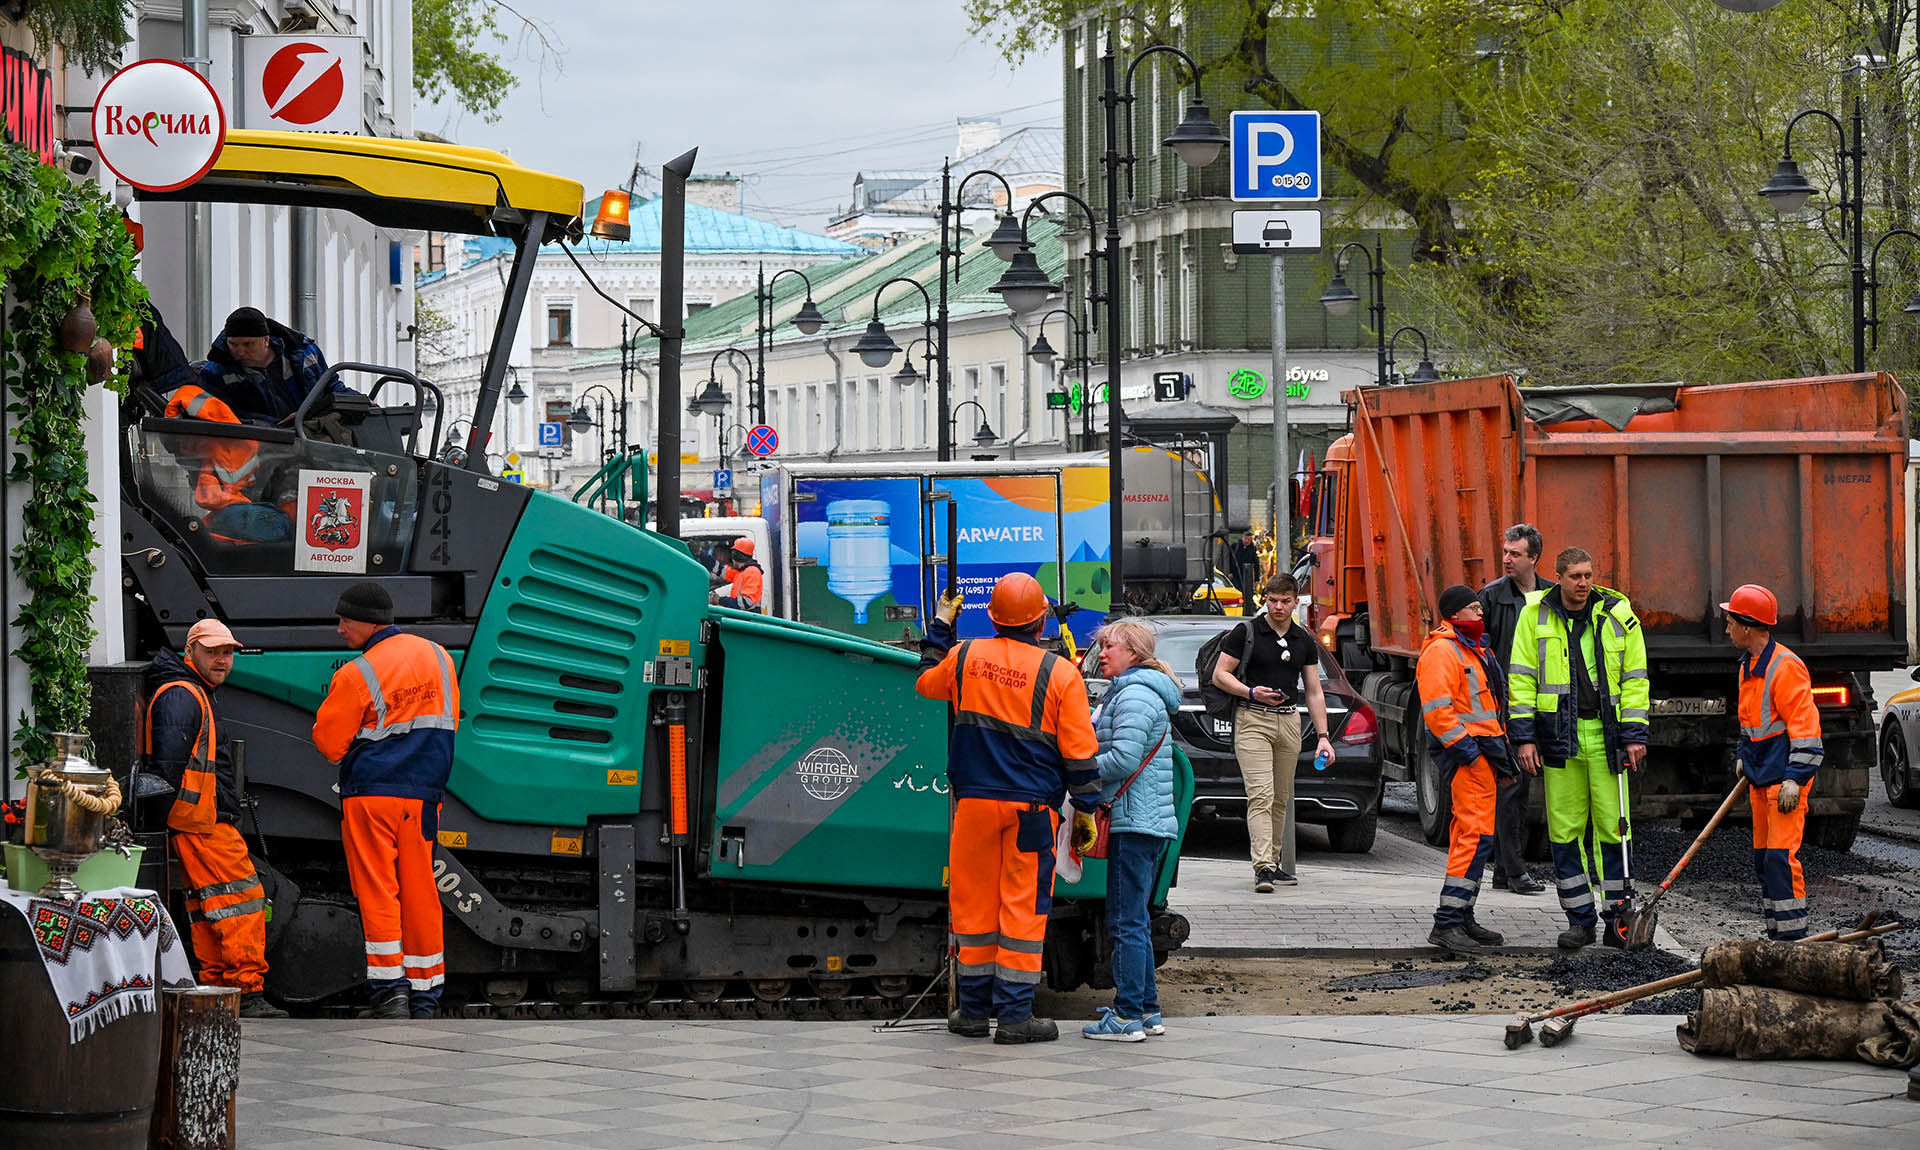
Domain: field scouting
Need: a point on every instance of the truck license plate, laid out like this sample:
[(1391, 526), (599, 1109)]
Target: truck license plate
[(1223, 728), (1689, 707)]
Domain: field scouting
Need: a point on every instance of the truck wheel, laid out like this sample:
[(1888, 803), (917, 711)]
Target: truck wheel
[(1435, 800), (1834, 832), (1895, 768)]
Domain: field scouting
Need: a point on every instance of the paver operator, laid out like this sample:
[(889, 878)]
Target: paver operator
[(226, 904), (1500, 600), (1779, 751), (1022, 741), (1577, 699), (1461, 683), (389, 719), (1280, 661)]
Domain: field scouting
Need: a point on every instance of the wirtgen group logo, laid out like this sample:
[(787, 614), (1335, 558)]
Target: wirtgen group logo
[(158, 125), (826, 773)]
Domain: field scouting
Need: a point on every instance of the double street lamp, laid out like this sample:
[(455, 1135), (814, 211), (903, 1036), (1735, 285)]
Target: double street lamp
[(1025, 286), (580, 420), (808, 321), (1424, 371), (983, 438), (1043, 353), (1339, 298)]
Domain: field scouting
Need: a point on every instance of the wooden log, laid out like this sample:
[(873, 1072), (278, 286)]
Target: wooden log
[(199, 1069)]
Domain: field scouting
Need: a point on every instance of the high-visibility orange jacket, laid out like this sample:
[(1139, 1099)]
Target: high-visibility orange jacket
[(229, 468), (746, 586), (1779, 721), (1459, 699), (389, 718), (1021, 727), (186, 750)]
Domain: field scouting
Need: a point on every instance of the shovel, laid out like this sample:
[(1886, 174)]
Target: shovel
[(1637, 919), (1557, 1024)]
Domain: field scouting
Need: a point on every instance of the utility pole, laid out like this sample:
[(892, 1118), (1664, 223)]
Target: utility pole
[(673, 307)]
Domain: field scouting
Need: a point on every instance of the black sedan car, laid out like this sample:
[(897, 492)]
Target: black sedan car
[(1345, 797)]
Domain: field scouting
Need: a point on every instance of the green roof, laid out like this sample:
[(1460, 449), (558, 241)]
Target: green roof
[(844, 293)]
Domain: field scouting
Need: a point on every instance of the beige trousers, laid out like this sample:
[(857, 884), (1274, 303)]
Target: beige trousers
[(1268, 747)]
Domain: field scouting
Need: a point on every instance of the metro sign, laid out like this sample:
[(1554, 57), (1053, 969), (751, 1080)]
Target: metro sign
[(302, 83)]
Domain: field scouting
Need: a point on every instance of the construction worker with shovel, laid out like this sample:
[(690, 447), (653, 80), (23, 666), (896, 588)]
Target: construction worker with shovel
[(1779, 751), (1577, 699), (1460, 687)]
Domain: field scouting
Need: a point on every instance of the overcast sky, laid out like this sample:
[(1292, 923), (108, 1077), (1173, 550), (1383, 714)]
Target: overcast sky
[(796, 95)]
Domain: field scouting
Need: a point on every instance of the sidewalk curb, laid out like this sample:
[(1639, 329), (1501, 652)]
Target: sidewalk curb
[(1898, 834)]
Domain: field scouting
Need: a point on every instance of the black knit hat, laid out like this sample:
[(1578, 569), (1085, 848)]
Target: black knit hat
[(247, 322), (1454, 598), (365, 603)]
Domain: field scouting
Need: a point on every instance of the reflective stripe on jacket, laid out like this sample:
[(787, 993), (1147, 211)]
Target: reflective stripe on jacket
[(1540, 693), (389, 718), (746, 586), (195, 808), (1459, 702), (1779, 721), (1022, 731)]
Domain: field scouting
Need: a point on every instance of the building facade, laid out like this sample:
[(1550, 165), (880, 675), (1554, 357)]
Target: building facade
[(565, 319), (890, 208)]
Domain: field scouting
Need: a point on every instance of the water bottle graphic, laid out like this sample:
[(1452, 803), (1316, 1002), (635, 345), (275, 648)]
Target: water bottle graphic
[(859, 552)]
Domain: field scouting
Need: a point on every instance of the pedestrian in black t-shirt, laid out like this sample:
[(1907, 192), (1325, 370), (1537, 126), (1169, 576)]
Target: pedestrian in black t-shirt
[(1279, 674)]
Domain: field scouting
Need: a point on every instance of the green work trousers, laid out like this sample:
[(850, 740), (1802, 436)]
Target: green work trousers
[(1582, 792)]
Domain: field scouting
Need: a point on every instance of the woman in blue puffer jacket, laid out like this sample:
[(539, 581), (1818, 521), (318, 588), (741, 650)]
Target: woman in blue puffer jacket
[(1135, 727)]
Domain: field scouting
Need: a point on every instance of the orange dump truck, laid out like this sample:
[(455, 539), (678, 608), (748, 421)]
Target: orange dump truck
[(1680, 494)]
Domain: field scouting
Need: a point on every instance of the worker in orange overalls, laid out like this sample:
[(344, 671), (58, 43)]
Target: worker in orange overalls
[(746, 582), (1461, 684), (226, 904), (389, 719), (228, 473), (1022, 740), (1779, 750)]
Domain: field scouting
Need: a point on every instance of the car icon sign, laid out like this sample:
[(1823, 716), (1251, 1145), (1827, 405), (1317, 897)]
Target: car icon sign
[(1276, 232)]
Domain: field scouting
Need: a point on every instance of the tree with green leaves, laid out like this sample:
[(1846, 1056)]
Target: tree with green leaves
[(1581, 176), (455, 46)]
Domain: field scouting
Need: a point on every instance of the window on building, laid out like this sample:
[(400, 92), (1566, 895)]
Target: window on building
[(897, 428), (641, 306), (698, 305), (559, 325), (557, 412), (996, 398), (875, 438)]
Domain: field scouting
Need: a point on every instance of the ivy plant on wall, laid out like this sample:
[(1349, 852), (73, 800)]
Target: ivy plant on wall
[(62, 245)]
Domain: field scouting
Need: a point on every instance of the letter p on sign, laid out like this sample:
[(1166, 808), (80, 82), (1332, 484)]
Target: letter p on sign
[(1276, 156)]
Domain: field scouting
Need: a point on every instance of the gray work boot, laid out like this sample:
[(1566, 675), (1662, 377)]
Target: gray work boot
[(254, 1004), (967, 1026), (1575, 937), (1026, 1030), (1455, 939)]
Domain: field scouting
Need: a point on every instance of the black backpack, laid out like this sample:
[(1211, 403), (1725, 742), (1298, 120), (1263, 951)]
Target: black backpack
[(1218, 703)]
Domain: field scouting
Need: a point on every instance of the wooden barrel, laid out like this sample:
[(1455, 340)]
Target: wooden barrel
[(96, 1094)]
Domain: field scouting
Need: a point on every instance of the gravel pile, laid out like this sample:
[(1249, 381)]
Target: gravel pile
[(1728, 856), (1597, 970)]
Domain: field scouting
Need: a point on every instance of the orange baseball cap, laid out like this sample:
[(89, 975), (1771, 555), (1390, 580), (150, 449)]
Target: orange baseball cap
[(211, 633)]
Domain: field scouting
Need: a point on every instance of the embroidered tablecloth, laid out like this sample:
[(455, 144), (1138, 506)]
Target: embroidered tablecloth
[(103, 952)]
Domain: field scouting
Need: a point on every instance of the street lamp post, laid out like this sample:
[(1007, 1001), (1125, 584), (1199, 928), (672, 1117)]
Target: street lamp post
[(1424, 371), (1043, 353), (1339, 298), (808, 320), (1788, 191), (983, 438), (1197, 141), (580, 420), (876, 349)]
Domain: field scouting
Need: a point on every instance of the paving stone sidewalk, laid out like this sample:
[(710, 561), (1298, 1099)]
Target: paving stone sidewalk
[(1378, 904), (1365, 1083)]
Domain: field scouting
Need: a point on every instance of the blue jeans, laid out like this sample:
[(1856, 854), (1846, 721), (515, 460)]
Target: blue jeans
[(1133, 870)]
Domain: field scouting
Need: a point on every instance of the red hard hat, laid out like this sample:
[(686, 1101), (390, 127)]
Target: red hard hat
[(1755, 602), (1017, 600), (743, 545)]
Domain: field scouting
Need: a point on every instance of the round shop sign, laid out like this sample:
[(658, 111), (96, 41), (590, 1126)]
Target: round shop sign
[(158, 125)]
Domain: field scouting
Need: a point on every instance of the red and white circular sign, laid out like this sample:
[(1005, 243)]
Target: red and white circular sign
[(303, 83), (158, 125)]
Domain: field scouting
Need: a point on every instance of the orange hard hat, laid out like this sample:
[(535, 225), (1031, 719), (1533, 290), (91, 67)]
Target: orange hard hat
[(1755, 602), (743, 545), (1017, 600)]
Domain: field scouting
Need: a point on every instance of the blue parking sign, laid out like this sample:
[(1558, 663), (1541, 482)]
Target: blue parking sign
[(550, 435), (1276, 156)]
